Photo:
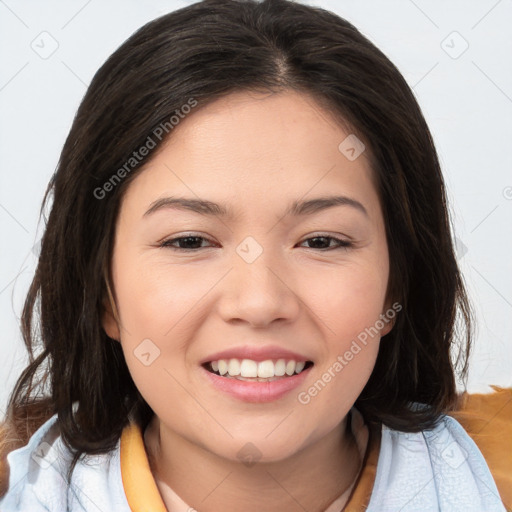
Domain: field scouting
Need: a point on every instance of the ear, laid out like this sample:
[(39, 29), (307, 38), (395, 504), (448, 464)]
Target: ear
[(387, 328), (389, 316), (110, 316), (109, 322)]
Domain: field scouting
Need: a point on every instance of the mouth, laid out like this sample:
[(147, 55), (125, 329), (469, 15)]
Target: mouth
[(257, 371)]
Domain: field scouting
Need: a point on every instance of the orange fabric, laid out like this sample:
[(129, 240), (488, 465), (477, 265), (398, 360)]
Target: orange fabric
[(139, 484), (360, 498), (487, 418)]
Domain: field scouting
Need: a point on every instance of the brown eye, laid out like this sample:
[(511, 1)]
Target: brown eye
[(185, 243), (323, 243)]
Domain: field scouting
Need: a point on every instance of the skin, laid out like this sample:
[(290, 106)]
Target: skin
[(255, 153)]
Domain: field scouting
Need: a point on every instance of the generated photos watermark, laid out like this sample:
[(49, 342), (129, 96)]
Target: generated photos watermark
[(304, 397), (158, 134)]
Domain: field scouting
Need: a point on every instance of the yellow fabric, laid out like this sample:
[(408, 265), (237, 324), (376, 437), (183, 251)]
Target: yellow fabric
[(138, 481), (486, 417), (142, 492)]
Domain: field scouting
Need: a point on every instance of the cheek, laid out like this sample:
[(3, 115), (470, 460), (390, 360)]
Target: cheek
[(351, 347), (159, 305), (348, 299), (349, 303), (154, 294)]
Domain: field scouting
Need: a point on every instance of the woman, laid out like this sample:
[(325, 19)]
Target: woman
[(247, 284)]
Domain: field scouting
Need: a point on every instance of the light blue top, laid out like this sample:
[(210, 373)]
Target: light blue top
[(440, 470)]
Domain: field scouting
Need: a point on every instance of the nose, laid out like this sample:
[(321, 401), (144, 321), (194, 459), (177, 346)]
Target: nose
[(259, 292)]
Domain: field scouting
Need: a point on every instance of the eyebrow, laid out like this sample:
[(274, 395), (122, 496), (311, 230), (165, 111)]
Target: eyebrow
[(296, 209)]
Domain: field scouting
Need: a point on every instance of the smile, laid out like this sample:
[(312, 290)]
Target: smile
[(253, 381), (247, 369)]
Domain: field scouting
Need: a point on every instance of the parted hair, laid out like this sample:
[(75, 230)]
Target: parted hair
[(206, 51)]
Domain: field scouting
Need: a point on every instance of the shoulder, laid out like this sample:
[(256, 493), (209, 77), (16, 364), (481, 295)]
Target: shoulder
[(487, 418), (441, 468), (37, 477)]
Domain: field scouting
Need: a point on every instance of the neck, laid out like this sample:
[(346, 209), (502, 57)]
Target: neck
[(309, 480)]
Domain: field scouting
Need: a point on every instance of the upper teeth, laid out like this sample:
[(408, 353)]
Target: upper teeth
[(263, 369)]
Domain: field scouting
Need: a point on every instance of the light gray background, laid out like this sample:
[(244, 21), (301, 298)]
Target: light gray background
[(465, 94)]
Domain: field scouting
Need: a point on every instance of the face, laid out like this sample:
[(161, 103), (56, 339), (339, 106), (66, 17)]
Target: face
[(254, 280)]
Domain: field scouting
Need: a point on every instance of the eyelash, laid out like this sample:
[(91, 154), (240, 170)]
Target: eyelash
[(343, 244)]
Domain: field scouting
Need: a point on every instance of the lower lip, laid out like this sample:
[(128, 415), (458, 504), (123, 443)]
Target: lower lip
[(257, 391)]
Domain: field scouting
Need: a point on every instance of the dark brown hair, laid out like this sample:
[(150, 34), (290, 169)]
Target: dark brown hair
[(205, 51)]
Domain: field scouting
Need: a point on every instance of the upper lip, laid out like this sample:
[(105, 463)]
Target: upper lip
[(256, 353)]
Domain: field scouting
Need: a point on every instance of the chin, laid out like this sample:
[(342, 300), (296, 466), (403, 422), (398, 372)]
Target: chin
[(252, 449)]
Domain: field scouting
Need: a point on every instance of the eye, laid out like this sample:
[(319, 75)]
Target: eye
[(190, 243), (193, 242), (320, 240)]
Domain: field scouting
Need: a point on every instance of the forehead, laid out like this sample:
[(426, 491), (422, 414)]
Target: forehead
[(264, 122), (258, 146)]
